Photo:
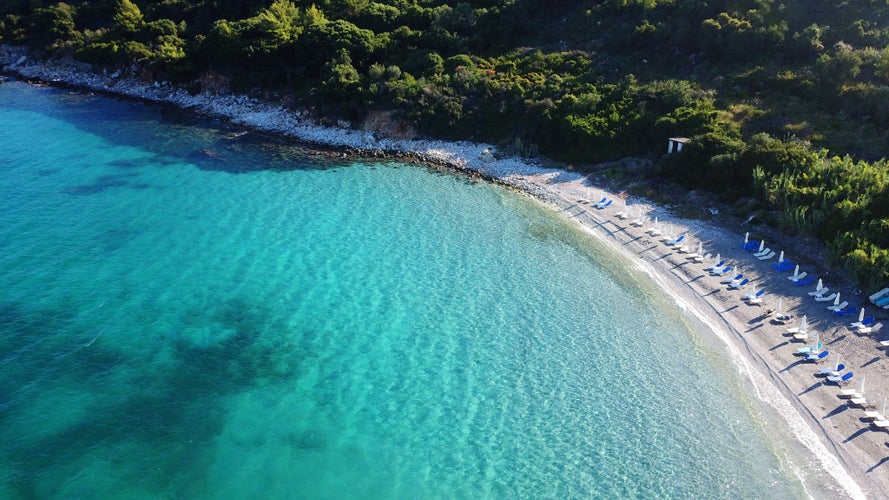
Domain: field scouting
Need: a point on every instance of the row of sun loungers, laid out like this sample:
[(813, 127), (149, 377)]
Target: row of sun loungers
[(735, 279), (836, 373)]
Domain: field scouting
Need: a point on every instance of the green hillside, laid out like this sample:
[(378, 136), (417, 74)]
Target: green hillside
[(787, 103)]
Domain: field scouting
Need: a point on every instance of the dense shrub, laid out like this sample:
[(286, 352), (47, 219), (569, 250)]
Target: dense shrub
[(765, 90)]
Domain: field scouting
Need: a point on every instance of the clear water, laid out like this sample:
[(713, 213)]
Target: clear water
[(256, 320)]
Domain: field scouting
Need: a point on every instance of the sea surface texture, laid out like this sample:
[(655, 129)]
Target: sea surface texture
[(188, 312)]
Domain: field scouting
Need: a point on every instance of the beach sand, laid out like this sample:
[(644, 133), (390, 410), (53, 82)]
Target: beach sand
[(857, 457)]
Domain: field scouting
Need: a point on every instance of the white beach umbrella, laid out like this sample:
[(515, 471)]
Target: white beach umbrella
[(819, 286), (778, 311), (861, 315), (796, 270), (746, 237), (781, 257), (762, 245)]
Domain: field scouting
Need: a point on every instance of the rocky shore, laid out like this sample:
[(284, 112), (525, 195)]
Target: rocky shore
[(265, 116)]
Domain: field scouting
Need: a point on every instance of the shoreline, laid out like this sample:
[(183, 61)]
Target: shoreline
[(857, 460)]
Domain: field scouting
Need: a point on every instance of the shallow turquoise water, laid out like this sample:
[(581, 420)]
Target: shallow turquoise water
[(255, 320)]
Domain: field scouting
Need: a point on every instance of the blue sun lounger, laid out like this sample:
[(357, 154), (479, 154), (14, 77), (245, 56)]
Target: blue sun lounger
[(716, 266), (676, 240), (832, 370), (785, 266), (845, 312), (740, 284), (603, 203), (750, 246), (738, 277), (804, 281), (844, 379), (866, 322), (816, 356)]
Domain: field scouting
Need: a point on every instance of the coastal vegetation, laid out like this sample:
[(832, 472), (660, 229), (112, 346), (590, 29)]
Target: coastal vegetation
[(786, 102)]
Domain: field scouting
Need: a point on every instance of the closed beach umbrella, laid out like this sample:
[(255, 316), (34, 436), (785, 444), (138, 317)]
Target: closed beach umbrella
[(762, 245)]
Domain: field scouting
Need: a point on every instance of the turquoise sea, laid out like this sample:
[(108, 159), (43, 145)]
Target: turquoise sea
[(191, 313)]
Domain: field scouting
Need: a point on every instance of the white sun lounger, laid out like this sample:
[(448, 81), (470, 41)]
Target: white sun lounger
[(877, 414), (698, 251), (802, 328), (755, 301), (862, 403), (857, 392), (779, 315), (842, 379), (798, 276), (819, 289), (882, 425), (870, 329), (766, 256), (860, 321), (828, 298), (832, 370), (838, 307), (801, 336), (700, 258)]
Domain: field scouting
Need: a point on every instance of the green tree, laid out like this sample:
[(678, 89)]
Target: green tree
[(56, 23), (128, 19)]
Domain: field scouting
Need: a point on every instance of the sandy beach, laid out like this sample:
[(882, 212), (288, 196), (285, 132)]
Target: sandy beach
[(855, 455), (840, 437)]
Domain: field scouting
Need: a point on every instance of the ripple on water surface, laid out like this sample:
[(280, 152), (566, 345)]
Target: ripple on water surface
[(187, 313)]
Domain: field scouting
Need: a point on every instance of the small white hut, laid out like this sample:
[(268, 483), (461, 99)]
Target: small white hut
[(674, 144)]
